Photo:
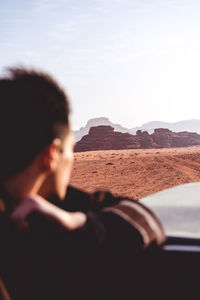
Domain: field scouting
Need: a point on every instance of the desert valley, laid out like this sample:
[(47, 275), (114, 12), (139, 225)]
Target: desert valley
[(136, 173), (138, 162)]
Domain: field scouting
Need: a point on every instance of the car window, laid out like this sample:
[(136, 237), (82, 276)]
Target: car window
[(130, 65), (178, 209)]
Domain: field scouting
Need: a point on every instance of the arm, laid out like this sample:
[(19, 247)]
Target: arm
[(36, 204), (145, 229)]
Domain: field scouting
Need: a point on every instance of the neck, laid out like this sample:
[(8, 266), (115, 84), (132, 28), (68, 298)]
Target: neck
[(23, 184)]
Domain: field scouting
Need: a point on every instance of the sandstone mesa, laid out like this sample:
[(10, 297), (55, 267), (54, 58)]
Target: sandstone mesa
[(105, 138)]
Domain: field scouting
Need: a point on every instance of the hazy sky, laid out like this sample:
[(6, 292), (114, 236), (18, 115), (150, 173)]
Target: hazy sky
[(133, 61)]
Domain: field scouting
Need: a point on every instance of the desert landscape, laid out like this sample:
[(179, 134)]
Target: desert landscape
[(136, 173)]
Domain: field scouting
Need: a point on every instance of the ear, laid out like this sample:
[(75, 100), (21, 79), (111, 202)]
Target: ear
[(51, 155)]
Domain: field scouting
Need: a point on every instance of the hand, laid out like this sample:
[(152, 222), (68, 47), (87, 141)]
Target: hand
[(35, 203)]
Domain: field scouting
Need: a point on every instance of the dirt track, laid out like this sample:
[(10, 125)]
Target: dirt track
[(136, 173)]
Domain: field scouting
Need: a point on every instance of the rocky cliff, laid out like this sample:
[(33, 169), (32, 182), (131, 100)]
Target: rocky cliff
[(185, 125), (105, 138)]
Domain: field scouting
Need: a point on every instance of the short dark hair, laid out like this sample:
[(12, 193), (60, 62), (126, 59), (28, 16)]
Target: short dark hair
[(34, 110)]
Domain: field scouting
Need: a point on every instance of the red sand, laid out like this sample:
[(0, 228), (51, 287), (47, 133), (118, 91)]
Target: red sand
[(136, 173)]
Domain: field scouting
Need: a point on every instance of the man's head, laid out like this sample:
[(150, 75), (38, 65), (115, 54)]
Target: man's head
[(34, 120)]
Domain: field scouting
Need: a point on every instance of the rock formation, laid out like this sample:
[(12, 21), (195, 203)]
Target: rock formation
[(105, 138), (145, 140), (186, 125), (165, 138)]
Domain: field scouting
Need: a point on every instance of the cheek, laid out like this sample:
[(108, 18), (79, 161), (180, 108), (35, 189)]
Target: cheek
[(66, 166), (68, 160), (63, 177)]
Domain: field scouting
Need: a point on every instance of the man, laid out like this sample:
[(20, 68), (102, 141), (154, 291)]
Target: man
[(59, 248)]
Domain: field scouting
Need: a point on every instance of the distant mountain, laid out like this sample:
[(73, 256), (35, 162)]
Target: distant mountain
[(97, 122), (186, 125)]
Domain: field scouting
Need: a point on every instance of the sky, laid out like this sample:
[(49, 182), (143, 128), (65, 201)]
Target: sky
[(133, 61)]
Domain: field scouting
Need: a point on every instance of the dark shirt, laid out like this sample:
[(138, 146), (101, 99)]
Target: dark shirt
[(90, 263)]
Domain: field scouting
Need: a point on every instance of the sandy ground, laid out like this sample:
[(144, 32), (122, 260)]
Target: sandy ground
[(136, 173)]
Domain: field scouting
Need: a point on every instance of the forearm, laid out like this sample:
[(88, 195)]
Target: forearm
[(36, 204), (69, 221)]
